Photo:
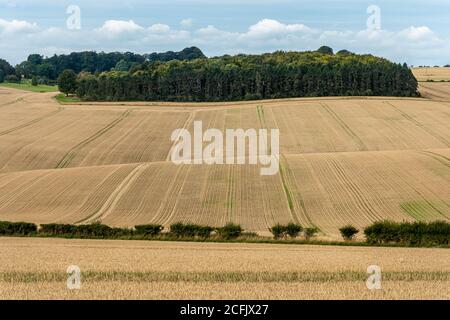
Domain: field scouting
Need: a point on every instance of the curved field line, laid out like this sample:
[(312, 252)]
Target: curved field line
[(230, 194), (12, 102), (418, 124), (424, 198), (285, 172), (284, 186), (23, 190), (29, 123), (166, 198), (345, 127), (165, 220), (353, 188), (116, 195), (186, 126), (65, 161), (439, 157), (433, 91)]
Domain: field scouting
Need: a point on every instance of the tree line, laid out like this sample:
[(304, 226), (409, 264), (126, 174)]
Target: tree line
[(251, 77), (6, 70), (47, 69), (414, 234)]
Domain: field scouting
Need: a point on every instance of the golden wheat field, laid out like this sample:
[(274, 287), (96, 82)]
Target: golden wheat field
[(36, 269), (436, 90), (343, 160), (348, 160), (434, 73)]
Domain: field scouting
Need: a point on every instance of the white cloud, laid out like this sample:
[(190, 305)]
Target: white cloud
[(418, 34), (17, 26), (116, 27), (270, 28), (415, 45), (159, 28), (186, 23)]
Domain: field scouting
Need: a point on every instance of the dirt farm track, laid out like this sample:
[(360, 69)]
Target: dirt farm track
[(348, 160)]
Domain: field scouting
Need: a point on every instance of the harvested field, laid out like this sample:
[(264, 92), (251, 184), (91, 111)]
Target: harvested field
[(343, 160), (435, 74), (436, 91), (36, 268)]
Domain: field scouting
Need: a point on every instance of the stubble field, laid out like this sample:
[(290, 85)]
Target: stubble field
[(36, 269), (343, 160), (434, 73)]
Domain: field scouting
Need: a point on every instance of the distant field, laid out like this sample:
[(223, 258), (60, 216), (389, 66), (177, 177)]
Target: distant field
[(343, 161), (435, 90), (435, 74), (36, 269), (26, 85)]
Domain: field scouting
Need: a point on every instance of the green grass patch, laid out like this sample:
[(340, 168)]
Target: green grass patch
[(26, 85), (222, 277), (421, 210), (62, 98)]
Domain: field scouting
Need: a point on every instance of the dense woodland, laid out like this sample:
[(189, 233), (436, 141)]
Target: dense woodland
[(249, 77), (189, 76), (47, 69), (6, 70)]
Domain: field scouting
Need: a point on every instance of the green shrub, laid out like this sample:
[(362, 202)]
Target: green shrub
[(17, 228), (58, 229), (438, 233), (348, 232), (310, 232), (293, 230), (278, 231), (93, 230), (382, 232), (149, 229), (229, 231), (190, 230), (34, 81), (414, 234), (12, 78), (204, 231)]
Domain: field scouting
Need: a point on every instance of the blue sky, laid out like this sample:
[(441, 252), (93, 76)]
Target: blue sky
[(416, 32)]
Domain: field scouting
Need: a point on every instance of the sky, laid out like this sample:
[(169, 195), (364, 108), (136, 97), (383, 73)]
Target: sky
[(416, 31)]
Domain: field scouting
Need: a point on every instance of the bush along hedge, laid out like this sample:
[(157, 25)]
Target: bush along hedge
[(189, 230), (94, 230), (348, 232), (407, 233), (17, 228), (379, 233), (281, 232), (148, 229), (230, 231)]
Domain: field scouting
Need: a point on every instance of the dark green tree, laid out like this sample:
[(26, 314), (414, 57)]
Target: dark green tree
[(67, 82), (348, 232), (35, 59), (122, 65), (6, 68), (344, 52), (325, 50)]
